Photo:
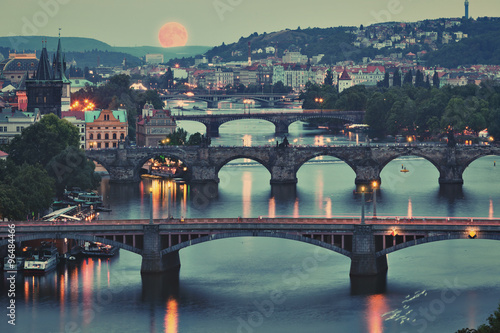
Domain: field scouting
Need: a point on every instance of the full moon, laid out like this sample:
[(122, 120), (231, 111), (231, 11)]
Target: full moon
[(172, 34)]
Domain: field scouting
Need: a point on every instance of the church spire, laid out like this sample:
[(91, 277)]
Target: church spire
[(58, 64), (43, 71)]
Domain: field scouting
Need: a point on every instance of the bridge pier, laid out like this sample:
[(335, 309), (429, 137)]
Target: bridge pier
[(152, 260), (282, 174), (212, 129), (366, 175), (364, 260), (451, 174), (281, 128)]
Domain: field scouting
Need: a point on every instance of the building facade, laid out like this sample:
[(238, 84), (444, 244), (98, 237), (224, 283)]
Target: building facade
[(105, 128), (12, 123), (152, 126)]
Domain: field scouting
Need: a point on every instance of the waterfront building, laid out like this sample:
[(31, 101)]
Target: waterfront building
[(152, 126), (105, 128)]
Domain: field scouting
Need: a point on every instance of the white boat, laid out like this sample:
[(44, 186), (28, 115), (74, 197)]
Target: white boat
[(42, 260)]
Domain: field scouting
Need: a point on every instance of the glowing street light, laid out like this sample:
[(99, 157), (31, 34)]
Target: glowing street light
[(320, 101), (362, 205), (151, 204), (374, 186)]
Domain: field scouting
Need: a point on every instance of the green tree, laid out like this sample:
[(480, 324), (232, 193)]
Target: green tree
[(39, 142), (396, 80), (408, 78), (36, 189), (329, 78), (70, 168), (194, 139), (177, 138), (435, 80)]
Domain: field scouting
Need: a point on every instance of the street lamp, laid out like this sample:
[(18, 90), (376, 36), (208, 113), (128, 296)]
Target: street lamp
[(374, 186), (362, 205), (151, 205), (320, 101)]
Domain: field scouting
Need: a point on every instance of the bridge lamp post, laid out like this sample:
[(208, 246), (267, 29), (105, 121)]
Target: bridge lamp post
[(151, 205), (362, 205), (320, 101), (374, 186)]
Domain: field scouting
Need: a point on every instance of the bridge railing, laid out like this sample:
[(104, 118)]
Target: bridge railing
[(279, 220)]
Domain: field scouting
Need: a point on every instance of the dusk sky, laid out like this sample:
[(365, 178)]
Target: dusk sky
[(211, 22)]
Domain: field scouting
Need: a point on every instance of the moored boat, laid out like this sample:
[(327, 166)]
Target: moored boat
[(97, 249), (42, 260)]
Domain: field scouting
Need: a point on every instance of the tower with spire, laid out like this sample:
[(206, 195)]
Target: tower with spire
[(466, 4), (59, 68), (49, 88)]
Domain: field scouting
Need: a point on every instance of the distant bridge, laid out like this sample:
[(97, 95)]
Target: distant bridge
[(212, 100), (281, 120), (159, 241), (204, 163)]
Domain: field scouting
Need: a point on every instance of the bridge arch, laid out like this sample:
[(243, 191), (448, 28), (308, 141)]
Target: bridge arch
[(407, 154), (257, 159), (431, 239), (294, 237), (304, 160), (479, 156), (148, 156), (69, 235), (100, 162)]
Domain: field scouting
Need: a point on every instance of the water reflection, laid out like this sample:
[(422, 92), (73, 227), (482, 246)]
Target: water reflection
[(376, 307), (171, 316)]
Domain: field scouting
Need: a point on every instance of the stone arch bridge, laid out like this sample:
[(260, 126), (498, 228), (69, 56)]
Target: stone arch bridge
[(280, 120), (204, 163), (159, 241), (212, 100)]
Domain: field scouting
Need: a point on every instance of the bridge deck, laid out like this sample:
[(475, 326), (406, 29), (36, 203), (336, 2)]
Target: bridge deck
[(382, 221)]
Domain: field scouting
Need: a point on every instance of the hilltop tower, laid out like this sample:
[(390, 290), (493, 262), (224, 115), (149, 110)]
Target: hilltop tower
[(466, 4)]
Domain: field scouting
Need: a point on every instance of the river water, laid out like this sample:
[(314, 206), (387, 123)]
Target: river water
[(274, 285)]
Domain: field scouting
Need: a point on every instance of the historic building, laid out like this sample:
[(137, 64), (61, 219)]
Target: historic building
[(17, 65), (49, 89), (12, 123), (344, 81), (44, 92), (153, 126), (105, 128)]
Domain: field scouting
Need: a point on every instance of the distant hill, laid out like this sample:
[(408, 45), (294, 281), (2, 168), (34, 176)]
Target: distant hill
[(482, 47), (337, 44), (73, 45)]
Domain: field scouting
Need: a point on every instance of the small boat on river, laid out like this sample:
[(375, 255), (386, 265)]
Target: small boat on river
[(97, 249)]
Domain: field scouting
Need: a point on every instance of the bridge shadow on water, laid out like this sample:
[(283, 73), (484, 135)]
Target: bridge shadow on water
[(284, 192), (451, 192), (368, 285), (156, 288)]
